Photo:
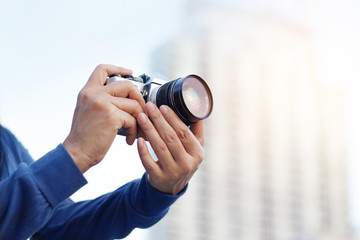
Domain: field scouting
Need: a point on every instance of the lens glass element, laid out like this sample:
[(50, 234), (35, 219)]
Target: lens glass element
[(196, 97)]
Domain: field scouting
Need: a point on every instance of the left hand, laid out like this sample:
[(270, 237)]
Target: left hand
[(178, 148)]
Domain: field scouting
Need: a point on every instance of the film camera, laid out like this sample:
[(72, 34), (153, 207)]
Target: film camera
[(189, 97)]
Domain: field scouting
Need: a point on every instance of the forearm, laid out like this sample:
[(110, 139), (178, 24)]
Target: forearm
[(134, 205), (29, 195)]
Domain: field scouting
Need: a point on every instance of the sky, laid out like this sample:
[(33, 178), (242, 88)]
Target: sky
[(48, 49)]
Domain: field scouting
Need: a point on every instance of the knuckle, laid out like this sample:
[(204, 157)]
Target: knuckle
[(83, 95), (98, 102), (130, 86), (184, 134), (132, 125), (133, 88), (170, 137), (86, 96), (136, 106), (162, 147), (132, 91), (200, 155), (100, 67), (149, 167), (201, 140), (109, 115), (187, 168), (128, 123)]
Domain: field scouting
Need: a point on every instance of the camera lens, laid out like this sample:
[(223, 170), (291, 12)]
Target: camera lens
[(189, 97), (196, 97)]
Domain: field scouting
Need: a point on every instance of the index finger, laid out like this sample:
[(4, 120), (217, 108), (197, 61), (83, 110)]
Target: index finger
[(102, 71), (190, 141), (125, 89)]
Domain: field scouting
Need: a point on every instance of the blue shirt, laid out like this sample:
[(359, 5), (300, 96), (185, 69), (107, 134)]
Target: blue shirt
[(34, 199)]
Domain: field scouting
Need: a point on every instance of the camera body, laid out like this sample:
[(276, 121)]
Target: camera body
[(189, 97), (146, 85)]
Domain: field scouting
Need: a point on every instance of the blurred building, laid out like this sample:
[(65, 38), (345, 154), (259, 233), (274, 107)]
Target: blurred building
[(275, 149)]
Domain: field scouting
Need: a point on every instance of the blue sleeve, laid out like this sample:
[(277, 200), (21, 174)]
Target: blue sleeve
[(30, 194), (114, 215)]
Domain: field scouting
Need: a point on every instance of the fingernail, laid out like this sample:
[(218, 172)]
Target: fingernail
[(150, 106), (163, 109), (141, 118)]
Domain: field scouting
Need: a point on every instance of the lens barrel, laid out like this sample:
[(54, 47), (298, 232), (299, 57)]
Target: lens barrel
[(189, 97)]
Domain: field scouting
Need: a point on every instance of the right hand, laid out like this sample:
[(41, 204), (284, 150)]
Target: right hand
[(100, 111)]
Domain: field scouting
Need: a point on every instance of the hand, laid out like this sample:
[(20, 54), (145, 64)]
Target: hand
[(100, 111), (178, 148)]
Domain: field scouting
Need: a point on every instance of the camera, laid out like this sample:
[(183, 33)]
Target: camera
[(189, 97)]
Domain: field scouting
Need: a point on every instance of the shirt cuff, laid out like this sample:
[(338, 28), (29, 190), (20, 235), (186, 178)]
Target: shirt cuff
[(57, 175), (151, 202)]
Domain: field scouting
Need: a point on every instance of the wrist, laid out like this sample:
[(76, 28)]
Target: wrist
[(167, 188), (77, 156)]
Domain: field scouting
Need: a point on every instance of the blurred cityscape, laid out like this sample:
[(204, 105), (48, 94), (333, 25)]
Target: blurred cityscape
[(275, 165), (282, 145)]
